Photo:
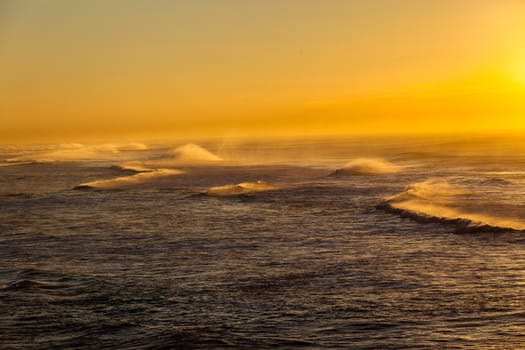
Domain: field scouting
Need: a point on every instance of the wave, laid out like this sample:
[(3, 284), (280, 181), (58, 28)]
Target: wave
[(434, 189), (243, 188), (15, 195), (11, 163), (189, 154), (133, 146), (437, 200), (133, 167), (27, 285), (367, 166), (41, 280), (132, 180), (194, 153), (79, 152), (494, 181)]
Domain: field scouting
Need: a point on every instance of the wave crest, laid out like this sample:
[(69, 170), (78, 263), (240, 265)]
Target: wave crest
[(79, 152), (132, 180), (133, 167), (242, 188), (194, 153), (11, 163), (367, 166), (437, 200)]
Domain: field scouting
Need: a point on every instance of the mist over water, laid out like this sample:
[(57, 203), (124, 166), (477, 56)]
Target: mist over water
[(341, 243), (244, 188), (194, 153), (439, 200), (80, 152), (367, 166), (131, 180)]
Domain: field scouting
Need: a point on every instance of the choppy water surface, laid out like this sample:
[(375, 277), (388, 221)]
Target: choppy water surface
[(321, 244)]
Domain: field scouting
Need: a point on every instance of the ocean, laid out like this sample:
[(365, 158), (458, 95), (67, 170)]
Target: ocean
[(347, 243)]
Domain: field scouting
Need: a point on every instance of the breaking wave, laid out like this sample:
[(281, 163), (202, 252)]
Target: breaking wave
[(132, 180), (14, 164), (15, 195), (437, 200), (367, 166), (194, 153), (133, 167), (243, 188), (78, 152), (133, 146), (189, 154)]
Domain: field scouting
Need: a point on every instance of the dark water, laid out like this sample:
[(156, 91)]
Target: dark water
[(363, 259)]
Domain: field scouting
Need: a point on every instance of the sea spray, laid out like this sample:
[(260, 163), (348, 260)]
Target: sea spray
[(132, 180), (437, 200), (367, 166), (243, 188), (194, 153), (70, 152)]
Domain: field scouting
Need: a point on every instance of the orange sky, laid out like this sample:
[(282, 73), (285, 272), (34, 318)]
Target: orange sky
[(127, 69)]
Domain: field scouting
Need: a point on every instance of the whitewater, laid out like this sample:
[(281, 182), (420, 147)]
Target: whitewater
[(362, 243)]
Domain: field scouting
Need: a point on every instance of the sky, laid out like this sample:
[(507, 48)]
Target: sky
[(77, 70)]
